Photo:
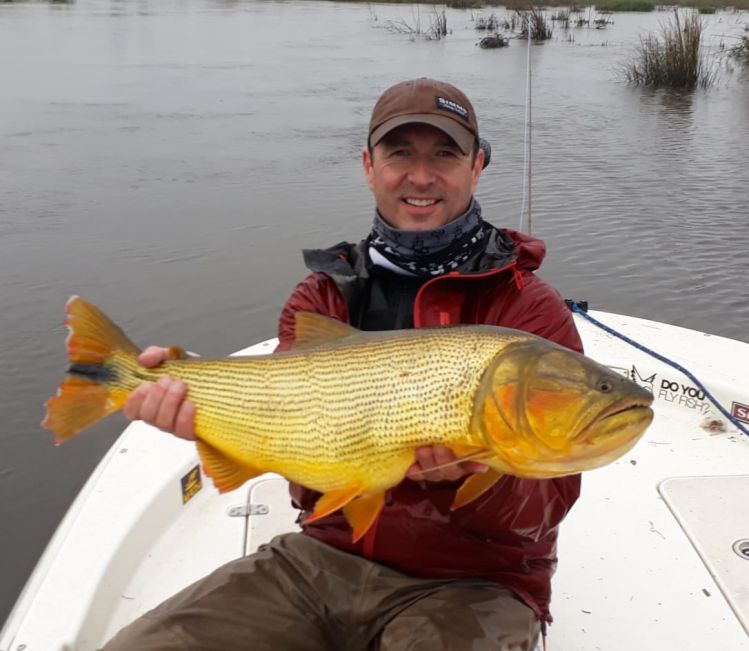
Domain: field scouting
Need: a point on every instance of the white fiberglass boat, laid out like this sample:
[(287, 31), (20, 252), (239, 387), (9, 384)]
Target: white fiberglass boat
[(654, 556)]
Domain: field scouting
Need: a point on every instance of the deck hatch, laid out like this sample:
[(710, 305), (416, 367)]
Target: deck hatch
[(714, 513)]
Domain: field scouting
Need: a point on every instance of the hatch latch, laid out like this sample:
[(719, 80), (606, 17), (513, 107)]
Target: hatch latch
[(246, 510)]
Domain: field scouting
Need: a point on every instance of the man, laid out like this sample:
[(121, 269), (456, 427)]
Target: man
[(422, 577)]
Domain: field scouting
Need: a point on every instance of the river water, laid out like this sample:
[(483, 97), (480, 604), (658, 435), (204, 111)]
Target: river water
[(168, 160)]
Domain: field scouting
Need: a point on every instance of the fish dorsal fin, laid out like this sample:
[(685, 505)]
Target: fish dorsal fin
[(315, 329)]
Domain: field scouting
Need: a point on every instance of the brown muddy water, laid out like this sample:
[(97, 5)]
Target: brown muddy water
[(168, 161)]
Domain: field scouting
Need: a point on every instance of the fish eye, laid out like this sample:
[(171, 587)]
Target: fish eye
[(605, 386)]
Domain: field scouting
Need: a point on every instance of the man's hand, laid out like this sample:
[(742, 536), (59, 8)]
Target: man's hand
[(162, 404), (429, 457)]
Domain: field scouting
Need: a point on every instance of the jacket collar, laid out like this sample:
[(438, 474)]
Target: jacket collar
[(344, 261)]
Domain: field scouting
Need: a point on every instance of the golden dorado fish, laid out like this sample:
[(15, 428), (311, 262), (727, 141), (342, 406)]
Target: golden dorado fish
[(344, 412)]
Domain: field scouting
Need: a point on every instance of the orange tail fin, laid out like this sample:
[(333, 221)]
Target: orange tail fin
[(94, 386)]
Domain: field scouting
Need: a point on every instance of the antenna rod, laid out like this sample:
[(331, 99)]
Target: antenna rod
[(527, 138), (530, 129)]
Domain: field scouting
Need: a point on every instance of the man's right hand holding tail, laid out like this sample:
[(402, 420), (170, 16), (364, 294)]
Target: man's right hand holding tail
[(162, 403)]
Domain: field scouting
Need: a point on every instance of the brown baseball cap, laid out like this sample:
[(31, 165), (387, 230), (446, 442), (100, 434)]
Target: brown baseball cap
[(425, 101)]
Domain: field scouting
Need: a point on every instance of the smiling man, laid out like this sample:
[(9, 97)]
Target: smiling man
[(423, 577), (422, 161)]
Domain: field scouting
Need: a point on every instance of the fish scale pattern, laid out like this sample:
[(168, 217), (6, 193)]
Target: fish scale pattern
[(349, 411)]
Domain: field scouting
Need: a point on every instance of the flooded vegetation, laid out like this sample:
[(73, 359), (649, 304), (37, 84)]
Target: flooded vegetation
[(515, 24), (740, 52), (674, 58), (432, 27), (533, 23), (626, 5), (487, 23)]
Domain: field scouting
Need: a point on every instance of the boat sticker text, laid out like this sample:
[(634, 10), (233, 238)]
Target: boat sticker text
[(191, 484), (677, 393), (684, 395)]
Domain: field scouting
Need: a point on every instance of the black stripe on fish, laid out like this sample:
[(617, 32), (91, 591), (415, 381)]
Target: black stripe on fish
[(93, 372)]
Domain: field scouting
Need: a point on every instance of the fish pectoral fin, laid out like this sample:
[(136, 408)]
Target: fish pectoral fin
[(226, 473), (332, 501), (474, 486), (314, 329), (362, 512)]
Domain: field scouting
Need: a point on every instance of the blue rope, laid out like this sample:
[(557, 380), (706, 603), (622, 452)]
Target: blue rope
[(577, 309)]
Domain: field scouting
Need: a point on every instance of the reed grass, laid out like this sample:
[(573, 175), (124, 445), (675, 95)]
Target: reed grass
[(487, 23), (672, 59), (541, 29), (416, 28), (532, 19), (465, 4), (740, 52)]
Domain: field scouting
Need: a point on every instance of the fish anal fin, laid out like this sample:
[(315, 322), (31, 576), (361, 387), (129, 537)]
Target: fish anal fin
[(79, 403), (226, 473), (314, 329), (332, 501), (475, 486), (362, 512)]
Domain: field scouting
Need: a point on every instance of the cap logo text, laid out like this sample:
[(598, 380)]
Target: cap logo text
[(453, 107)]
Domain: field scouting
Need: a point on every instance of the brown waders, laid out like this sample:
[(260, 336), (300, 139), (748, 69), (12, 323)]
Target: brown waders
[(298, 594)]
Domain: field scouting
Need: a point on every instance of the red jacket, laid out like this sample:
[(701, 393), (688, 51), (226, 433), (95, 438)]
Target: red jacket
[(509, 534)]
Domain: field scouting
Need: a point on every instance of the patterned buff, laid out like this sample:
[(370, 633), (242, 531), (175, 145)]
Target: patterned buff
[(431, 253)]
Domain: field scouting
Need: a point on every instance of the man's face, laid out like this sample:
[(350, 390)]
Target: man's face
[(420, 178)]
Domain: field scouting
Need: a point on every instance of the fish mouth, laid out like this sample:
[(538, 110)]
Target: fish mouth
[(624, 406), (627, 413)]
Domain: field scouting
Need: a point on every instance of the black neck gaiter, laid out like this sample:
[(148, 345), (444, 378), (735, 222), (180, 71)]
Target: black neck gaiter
[(433, 252)]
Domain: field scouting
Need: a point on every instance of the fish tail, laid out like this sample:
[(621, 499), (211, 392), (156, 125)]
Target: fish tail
[(100, 375)]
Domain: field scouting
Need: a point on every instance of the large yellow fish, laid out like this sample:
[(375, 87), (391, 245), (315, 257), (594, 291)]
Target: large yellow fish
[(344, 412)]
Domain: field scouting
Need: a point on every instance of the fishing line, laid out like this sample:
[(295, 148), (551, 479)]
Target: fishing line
[(474, 456), (526, 183), (579, 310)]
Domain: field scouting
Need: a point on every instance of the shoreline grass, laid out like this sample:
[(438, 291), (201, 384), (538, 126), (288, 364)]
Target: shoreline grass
[(626, 5), (604, 5)]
